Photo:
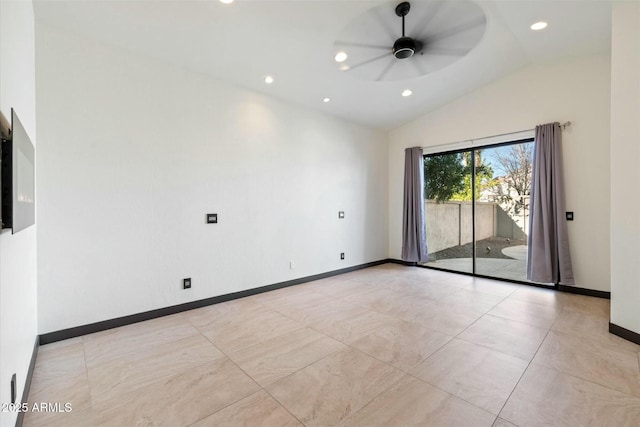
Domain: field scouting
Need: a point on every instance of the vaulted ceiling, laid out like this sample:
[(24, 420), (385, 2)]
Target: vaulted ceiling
[(295, 41)]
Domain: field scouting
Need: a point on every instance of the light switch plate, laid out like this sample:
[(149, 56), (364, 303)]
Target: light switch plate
[(341, 214), (212, 218)]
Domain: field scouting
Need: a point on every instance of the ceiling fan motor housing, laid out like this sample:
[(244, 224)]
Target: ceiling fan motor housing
[(404, 48)]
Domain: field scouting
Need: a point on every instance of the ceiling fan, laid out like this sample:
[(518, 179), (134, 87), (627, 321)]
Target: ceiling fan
[(443, 32)]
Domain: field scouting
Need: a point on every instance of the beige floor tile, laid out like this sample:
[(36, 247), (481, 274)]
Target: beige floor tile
[(252, 330), (291, 297), (411, 402), (423, 275), (546, 397), (63, 389), (499, 422), (325, 393), (299, 307), (120, 375), (60, 377), (61, 359), (539, 315), (382, 280), (508, 336), (608, 365), (591, 326), (276, 358), (75, 418), (107, 345), (581, 324), (473, 300), (445, 318), (353, 327), (542, 296), (403, 345), (393, 303), (477, 284), (259, 409), (344, 288), (474, 373), (223, 314), (431, 290), (379, 299), (178, 400), (592, 305), (337, 309)]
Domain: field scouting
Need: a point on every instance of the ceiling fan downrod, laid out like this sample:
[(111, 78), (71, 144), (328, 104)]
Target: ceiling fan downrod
[(404, 47)]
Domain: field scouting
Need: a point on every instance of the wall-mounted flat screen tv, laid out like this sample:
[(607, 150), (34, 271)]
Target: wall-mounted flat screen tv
[(18, 178)]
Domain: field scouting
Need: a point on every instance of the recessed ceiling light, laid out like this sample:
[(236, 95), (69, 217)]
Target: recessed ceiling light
[(226, 1), (407, 92), (325, 100), (341, 56), (345, 67), (268, 80), (538, 26)]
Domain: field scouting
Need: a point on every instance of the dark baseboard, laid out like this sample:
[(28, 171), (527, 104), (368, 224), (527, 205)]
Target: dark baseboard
[(624, 333), (584, 291), (402, 262), (27, 381), (77, 331)]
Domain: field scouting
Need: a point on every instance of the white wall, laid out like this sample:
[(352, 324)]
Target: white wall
[(625, 174), (577, 90), (18, 300), (133, 153)]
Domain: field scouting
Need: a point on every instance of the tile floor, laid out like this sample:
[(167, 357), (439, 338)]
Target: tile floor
[(384, 346)]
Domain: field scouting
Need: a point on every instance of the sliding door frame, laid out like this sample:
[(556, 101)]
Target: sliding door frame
[(473, 150)]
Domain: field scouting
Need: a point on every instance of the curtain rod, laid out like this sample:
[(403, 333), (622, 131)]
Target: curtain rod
[(563, 126)]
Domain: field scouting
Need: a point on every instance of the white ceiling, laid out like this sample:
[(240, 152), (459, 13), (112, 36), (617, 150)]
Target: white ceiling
[(293, 40)]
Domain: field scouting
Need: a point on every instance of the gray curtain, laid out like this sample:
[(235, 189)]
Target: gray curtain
[(414, 236), (548, 256)]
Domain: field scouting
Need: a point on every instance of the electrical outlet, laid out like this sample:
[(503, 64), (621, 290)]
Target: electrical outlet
[(212, 218), (341, 255), (569, 216), (186, 283), (292, 265), (341, 214), (14, 390)]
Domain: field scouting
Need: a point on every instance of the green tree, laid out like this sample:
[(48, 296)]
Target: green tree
[(443, 176), (484, 177)]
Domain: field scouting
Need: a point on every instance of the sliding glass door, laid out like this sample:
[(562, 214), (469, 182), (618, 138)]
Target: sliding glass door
[(477, 209), (448, 211)]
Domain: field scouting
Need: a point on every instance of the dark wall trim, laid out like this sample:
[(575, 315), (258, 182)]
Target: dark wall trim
[(77, 331), (27, 381), (584, 291), (624, 333), (403, 262)]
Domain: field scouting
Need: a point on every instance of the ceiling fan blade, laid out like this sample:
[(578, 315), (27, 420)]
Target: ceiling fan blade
[(384, 25), (418, 67), (461, 28), (445, 51), (365, 45), (386, 69), (369, 61), (430, 15)]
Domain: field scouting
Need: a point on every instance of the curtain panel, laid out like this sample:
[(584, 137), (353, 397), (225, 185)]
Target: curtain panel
[(414, 235), (548, 255)]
